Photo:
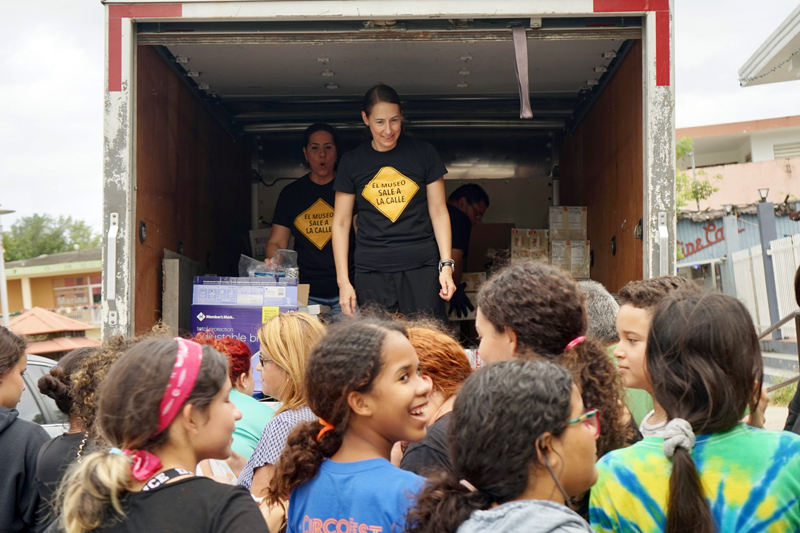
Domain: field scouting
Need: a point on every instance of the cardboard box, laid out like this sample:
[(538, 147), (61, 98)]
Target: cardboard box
[(527, 244), (240, 323), (247, 295), (572, 256), (233, 321), (474, 280), (568, 223)]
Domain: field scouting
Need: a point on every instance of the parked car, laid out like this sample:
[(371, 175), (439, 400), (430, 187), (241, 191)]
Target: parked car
[(35, 406)]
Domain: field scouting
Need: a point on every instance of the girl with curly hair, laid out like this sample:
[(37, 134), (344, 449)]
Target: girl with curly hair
[(536, 311), (363, 381)]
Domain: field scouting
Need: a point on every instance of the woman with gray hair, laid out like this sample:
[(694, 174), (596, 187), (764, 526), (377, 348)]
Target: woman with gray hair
[(601, 309)]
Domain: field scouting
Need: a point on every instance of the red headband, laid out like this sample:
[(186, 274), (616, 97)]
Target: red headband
[(181, 382)]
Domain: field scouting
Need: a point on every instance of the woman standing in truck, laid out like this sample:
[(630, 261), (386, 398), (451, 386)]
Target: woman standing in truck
[(305, 210), (403, 245)]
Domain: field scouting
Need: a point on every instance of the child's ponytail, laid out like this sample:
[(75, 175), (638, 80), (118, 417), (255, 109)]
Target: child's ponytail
[(444, 504), (347, 359), (306, 448), (687, 509), (90, 487)]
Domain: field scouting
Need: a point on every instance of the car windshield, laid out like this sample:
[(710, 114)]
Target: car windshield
[(28, 408)]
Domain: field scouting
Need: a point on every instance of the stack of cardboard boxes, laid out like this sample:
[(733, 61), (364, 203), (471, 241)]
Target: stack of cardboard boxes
[(569, 248), (237, 307), (564, 244)]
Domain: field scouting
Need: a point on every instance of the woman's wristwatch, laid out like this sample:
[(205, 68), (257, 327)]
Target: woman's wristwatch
[(446, 263)]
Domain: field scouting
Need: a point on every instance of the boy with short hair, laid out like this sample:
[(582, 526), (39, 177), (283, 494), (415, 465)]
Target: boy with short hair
[(637, 301)]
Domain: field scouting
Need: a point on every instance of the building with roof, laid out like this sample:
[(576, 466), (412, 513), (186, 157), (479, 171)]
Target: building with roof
[(68, 283), (51, 334)]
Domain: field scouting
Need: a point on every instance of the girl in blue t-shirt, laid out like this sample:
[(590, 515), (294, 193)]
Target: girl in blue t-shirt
[(363, 380)]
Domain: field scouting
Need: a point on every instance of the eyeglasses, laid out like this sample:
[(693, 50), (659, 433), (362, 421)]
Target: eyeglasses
[(263, 360), (478, 212), (590, 418)]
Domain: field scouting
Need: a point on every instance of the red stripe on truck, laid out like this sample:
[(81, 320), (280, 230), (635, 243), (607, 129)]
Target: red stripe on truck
[(115, 15), (662, 49), (608, 6)]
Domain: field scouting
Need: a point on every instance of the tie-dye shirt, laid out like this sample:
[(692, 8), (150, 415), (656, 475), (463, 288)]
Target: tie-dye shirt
[(751, 479)]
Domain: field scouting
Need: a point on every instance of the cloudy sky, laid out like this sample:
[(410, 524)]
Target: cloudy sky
[(51, 99)]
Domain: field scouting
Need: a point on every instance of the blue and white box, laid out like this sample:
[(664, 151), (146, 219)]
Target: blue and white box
[(247, 295)]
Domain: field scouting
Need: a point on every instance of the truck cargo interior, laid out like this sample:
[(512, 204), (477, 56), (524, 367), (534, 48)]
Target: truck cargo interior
[(220, 108)]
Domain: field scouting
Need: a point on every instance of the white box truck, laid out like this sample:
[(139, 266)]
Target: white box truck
[(205, 102)]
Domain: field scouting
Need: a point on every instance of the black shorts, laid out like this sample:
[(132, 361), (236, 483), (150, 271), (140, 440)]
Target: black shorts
[(412, 292)]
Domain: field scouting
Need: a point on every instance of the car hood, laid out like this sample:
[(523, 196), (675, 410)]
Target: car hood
[(7, 416)]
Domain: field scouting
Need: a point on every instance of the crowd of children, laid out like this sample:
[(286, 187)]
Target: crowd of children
[(383, 426)]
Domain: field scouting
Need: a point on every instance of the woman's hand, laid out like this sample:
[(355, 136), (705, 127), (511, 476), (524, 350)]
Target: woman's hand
[(447, 283), (347, 299)]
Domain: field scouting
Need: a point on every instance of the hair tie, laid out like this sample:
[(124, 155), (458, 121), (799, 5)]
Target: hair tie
[(574, 342), (326, 427), (144, 464), (469, 485), (678, 433)]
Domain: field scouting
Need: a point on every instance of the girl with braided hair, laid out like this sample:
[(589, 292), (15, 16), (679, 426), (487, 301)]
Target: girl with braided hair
[(363, 380)]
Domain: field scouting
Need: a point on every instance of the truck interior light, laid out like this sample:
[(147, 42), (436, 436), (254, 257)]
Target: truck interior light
[(462, 85), (591, 83), (464, 72), (323, 59), (609, 55), (192, 73), (466, 58), (600, 69), (327, 73), (203, 86), (181, 60), (763, 193), (332, 86)]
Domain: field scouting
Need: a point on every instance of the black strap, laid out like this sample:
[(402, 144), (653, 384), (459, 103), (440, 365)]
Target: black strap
[(163, 477)]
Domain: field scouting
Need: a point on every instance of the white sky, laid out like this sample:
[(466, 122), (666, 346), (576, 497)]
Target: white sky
[(51, 92)]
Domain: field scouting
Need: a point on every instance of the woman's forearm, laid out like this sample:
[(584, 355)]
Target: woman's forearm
[(342, 219)]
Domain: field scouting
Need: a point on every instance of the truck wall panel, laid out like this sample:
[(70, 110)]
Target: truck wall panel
[(602, 167), (192, 184)]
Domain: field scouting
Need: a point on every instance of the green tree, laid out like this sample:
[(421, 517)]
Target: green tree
[(42, 234), (688, 189)]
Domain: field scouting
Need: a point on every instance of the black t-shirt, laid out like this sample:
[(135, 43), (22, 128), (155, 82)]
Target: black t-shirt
[(54, 459), (461, 228), (431, 452), (394, 228), (307, 210), (192, 505)]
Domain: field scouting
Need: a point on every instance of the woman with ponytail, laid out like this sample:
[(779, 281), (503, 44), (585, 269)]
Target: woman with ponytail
[(707, 471), (521, 445), (535, 310), (164, 407), (363, 382)]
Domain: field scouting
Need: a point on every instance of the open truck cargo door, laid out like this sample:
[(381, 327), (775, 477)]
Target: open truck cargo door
[(205, 101)]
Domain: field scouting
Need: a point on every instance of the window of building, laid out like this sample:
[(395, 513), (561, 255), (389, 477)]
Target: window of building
[(786, 150)]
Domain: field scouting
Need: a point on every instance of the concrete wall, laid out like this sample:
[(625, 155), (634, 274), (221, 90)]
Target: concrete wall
[(740, 183)]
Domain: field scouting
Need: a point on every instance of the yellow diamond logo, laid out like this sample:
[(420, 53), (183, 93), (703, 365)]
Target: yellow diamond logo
[(390, 192), (315, 223)]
